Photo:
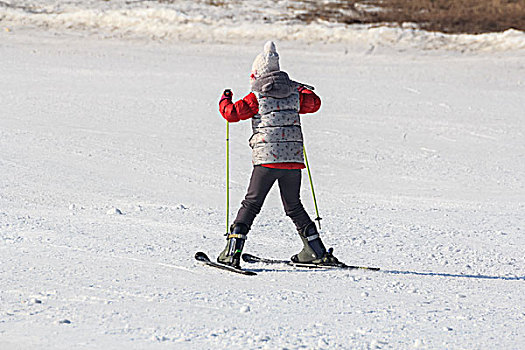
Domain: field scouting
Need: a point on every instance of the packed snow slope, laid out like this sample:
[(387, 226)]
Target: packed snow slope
[(112, 176)]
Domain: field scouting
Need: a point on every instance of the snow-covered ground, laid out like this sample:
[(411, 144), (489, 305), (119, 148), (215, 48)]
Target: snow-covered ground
[(418, 158), (233, 21)]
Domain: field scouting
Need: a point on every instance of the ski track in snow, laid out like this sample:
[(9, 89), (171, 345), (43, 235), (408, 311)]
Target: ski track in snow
[(417, 161)]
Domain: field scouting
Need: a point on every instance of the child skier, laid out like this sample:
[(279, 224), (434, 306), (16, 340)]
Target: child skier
[(274, 106)]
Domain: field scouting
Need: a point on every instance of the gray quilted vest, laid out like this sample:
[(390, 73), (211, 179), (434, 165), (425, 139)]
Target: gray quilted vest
[(277, 135)]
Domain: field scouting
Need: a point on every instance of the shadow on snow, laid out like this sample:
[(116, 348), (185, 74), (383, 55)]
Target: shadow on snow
[(453, 275), (397, 272)]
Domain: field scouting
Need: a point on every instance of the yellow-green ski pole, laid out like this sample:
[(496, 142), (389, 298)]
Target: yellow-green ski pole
[(318, 218), (227, 177)]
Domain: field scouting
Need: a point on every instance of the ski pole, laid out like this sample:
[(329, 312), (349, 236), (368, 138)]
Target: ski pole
[(318, 218), (227, 176)]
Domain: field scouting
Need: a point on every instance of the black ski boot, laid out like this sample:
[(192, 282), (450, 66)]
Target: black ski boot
[(314, 251), (231, 255)]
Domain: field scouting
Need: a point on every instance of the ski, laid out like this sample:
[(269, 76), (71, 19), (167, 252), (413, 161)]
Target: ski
[(249, 258), (203, 258)]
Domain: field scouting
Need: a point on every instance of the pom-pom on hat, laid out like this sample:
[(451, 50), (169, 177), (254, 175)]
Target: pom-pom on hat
[(266, 62)]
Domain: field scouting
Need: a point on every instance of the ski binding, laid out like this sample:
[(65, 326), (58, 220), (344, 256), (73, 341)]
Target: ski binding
[(203, 258)]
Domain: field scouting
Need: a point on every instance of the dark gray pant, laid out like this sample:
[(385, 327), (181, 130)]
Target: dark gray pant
[(261, 182)]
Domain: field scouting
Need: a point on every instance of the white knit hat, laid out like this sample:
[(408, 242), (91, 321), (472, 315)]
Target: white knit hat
[(267, 61)]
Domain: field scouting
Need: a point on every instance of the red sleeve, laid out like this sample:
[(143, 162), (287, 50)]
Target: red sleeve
[(309, 101), (240, 110)]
